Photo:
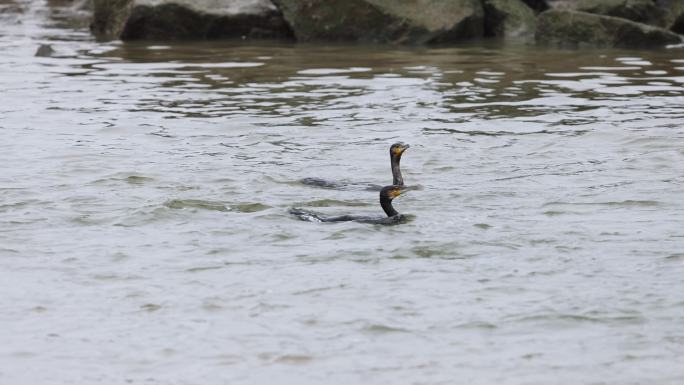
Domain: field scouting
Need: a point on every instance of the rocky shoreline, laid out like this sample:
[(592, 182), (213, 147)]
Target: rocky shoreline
[(558, 23)]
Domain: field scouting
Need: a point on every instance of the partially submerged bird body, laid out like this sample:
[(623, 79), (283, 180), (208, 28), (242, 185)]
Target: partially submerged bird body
[(396, 151), (387, 194), (314, 217)]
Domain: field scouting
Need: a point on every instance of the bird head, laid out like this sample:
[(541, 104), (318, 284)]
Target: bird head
[(398, 148)]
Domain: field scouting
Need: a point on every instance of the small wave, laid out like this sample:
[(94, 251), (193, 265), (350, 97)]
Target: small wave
[(294, 359), (508, 133), (202, 268), (19, 205), (383, 329), (150, 307), (195, 204), (332, 203), (675, 257), (250, 207), (584, 318), (124, 177), (433, 252), (338, 185), (138, 179), (477, 325), (625, 203)]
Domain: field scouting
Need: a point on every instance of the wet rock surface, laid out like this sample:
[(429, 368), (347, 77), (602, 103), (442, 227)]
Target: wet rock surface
[(186, 19), (678, 25), (109, 18), (44, 50), (668, 14), (673, 18), (384, 21), (392, 22), (643, 11), (571, 29), (510, 19), (537, 5)]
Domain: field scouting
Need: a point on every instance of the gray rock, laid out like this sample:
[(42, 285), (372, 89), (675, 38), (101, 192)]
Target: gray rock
[(662, 13), (677, 25), (537, 5), (509, 19), (45, 50), (561, 4), (109, 18), (86, 5), (643, 11), (580, 29), (673, 18), (384, 21), (188, 19)]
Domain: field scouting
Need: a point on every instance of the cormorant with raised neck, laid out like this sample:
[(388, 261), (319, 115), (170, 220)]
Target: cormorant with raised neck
[(396, 151), (387, 194)]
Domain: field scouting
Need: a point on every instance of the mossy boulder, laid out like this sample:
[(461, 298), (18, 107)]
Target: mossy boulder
[(384, 21), (573, 29), (187, 19), (668, 14), (109, 18), (509, 19), (644, 11), (674, 15), (537, 5)]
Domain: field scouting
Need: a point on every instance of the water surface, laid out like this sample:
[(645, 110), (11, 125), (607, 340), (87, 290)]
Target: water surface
[(145, 235)]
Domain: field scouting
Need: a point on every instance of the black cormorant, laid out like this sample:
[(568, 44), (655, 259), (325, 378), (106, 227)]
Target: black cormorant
[(387, 194), (396, 151)]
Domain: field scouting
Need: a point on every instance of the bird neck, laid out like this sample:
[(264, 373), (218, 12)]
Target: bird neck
[(396, 171), (386, 204)]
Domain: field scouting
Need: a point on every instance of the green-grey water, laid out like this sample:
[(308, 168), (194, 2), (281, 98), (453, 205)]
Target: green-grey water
[(145, 234)]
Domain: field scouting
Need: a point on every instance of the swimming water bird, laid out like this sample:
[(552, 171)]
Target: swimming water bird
[(396, 151), (387, 194)]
